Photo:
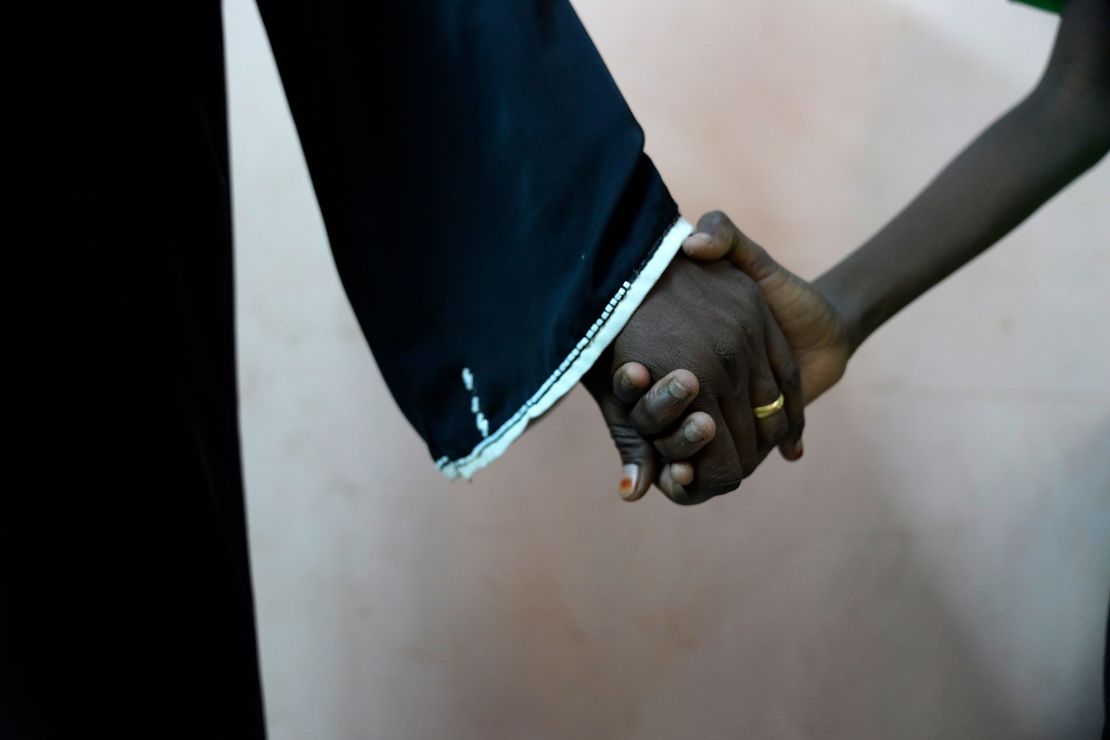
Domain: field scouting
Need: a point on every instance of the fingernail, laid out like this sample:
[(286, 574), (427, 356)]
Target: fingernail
[(629, 479), (699, 239), (629, 384), (677, 390), (798, 450), (682, 474), (693, 432)]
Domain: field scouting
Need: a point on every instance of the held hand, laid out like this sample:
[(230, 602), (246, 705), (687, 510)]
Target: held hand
[(710, 320), (818, 335), (618, 394)]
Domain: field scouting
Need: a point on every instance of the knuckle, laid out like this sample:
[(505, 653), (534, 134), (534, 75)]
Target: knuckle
[(748, 286), (761, 262), (625, 438), (726, 350)]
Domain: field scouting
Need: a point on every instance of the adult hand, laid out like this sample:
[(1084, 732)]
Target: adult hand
[(819, 337)]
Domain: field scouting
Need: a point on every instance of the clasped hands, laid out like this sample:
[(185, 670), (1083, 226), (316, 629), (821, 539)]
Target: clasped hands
[(724, 331)]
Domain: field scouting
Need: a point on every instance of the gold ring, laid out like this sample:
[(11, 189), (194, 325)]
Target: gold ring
[(762, 412)]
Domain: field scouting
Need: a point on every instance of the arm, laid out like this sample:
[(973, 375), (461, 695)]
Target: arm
[(1050, 138), (487, 199), (1047, 140), (492, 213)]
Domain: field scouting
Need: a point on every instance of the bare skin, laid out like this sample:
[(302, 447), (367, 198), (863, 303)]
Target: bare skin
[(1059, 131), (713, 320)]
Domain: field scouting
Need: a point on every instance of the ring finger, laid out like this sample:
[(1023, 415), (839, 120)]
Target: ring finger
[(768, 407)]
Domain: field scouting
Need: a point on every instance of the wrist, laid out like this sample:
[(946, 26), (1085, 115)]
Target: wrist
[(847, 302)]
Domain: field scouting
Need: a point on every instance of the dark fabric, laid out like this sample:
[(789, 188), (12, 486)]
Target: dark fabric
[(125, 600), (485, 136), (488, 136)]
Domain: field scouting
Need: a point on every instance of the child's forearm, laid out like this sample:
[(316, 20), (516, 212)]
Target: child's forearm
[(1059, 131)]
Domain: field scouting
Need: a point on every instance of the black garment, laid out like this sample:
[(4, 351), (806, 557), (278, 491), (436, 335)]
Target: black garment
[(487, 135)]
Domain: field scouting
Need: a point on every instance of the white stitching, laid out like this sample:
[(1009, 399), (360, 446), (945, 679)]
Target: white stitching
[(673, 236), (480, 419)]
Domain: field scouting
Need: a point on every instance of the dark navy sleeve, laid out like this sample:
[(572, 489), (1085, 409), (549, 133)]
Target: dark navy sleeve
[(492, 213)]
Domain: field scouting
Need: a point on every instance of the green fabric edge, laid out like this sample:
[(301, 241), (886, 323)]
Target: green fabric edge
[(1052, 6)]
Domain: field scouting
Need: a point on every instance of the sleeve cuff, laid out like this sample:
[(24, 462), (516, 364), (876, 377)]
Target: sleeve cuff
[(585, 353)]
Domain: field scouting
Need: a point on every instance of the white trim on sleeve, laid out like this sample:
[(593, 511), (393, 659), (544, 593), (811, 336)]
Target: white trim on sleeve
[(600, 335)]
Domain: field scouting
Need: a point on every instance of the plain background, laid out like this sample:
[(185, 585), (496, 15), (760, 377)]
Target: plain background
[(936, 567)]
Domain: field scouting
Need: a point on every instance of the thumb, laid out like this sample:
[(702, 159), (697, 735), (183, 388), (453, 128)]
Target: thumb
[(639, 460), (716, 237)]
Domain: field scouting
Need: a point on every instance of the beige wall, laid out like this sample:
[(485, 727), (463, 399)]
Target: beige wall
[(936, 567)]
